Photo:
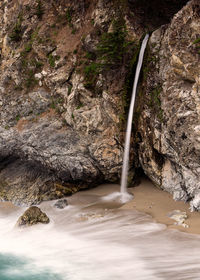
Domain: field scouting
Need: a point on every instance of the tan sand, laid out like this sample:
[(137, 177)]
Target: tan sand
[(155, 202), (158, 203), (7, 208), (147, 198)]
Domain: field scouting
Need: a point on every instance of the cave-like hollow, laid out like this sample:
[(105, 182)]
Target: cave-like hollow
[(154, 13)]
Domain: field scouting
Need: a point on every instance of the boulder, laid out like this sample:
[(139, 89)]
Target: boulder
[(61, 203), (33, 215)]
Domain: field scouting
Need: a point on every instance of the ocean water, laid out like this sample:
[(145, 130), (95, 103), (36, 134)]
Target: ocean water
[(93, 239), (16, 268)]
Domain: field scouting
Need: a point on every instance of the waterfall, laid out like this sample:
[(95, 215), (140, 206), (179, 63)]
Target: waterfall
[(130, 119)]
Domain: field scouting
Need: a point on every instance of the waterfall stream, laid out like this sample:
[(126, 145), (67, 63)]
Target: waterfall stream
[(130, 119)]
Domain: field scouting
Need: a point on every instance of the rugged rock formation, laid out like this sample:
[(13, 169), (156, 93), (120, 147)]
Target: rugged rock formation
[(63, 68), (169, 126), (27, 183), (32, 216)]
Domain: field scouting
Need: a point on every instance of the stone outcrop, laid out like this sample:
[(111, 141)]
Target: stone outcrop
[(32, 216), (66, 72), (27, 183), (56, 114), (169, 125)]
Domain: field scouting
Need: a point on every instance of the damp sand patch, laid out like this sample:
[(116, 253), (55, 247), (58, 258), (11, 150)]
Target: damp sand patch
[(158, 203)]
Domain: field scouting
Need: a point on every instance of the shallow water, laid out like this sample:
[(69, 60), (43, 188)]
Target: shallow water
[(94, 239), (14, 268)]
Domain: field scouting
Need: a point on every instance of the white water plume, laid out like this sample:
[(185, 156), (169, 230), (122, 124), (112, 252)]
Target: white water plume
[(121, 197)]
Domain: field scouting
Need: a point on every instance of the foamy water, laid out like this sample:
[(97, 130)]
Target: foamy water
[(121, 197), (94, 239)]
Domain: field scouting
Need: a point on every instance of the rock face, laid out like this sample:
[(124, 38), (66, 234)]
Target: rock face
[(169, 126), (32, 216), (61, 99), (65, 82)]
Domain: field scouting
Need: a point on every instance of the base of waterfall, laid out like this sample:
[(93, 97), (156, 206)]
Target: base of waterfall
[(93, 238), (121, 197)]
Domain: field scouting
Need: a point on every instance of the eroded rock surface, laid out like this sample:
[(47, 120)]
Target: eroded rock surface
[(32, 216), (179, 218), (58, 109), (63, 99), (170, 119)]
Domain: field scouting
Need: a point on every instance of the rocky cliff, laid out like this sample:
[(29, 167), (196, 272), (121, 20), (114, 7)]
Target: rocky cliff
[(63, 70), (66, 72), (169, 126)]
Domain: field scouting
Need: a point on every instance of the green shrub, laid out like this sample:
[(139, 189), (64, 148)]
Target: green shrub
[(111, 53), (196, 41), (16, 34), (197, 44), (30, 66), (18, 118), (53, 105), (69, 89), (39, 11), (90, 55), (28, 47), (69, 14), (73, 31), (30, 78), (38, 64), (79, 106), (155, 102), (52, 59), (91, 72), (113, 45)]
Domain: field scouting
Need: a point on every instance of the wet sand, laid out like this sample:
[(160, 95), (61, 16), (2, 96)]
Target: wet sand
[(147, 199), (7, 208), (155, 202), (158, 203)]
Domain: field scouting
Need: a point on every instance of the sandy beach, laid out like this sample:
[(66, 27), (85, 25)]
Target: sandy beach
[(158, 203), (7, 208), (147, 199), (155, 202)]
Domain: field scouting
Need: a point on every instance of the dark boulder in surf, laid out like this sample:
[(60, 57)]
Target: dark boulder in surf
[(61, 203), (33, 215)]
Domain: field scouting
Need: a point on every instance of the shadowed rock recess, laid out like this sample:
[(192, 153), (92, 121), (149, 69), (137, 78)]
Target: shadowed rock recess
[(66, 72)]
